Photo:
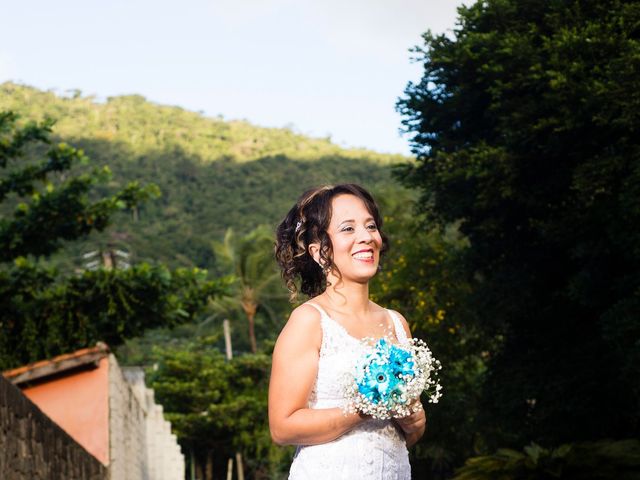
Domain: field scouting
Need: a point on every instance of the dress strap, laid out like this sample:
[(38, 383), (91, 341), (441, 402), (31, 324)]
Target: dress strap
[(401, 334), (333, 334), (323, 314)]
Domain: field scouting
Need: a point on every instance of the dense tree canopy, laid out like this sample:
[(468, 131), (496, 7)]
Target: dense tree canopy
[(218, 407), (213, 174), (526, 125), (44, 313)]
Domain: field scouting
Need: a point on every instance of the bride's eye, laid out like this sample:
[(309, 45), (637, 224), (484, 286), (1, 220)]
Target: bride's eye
[(372, 226), (347, 229)]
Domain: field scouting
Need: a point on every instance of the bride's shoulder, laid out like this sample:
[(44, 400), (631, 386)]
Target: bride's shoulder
[(302, 332), (304, 321), (306, 314)]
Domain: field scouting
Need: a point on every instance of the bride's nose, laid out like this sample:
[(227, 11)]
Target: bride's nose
[(365, 236)]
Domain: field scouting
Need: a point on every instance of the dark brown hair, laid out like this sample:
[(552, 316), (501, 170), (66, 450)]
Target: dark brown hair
[(306, 223)]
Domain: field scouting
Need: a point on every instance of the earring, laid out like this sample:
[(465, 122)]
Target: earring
[(325, 269)]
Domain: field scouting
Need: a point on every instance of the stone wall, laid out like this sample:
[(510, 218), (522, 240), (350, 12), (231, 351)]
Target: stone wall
[(164, 457), (127, 442), (142, 445), (32, 447)]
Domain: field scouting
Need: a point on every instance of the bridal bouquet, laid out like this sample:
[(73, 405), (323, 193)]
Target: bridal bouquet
[(389, 377)]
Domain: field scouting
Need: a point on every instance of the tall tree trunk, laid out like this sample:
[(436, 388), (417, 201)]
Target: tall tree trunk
[(250, 308), (192, 466), (199, 470), (240, 466), (209, 474), (252, 333)]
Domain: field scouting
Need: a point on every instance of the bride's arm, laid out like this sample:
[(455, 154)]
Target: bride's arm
[(293, 373)]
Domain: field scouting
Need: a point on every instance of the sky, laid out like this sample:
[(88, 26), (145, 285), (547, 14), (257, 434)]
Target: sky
[(320, 67)]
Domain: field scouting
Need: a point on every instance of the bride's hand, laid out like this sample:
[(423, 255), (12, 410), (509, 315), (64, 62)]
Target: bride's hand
[(414, 423)]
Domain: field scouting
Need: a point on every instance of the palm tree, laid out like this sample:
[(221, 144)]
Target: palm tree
[(256, 280)]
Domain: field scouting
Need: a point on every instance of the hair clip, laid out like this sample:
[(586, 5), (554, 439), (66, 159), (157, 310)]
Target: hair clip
[(298, 225)]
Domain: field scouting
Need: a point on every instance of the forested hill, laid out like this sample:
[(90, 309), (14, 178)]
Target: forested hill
[(212, 173)]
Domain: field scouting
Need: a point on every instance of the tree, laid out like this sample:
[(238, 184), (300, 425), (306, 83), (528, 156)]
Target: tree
[(213, 174), (61, 210), (249, 260), (43, 312), (217, 407), (526, 128), (420, 278)]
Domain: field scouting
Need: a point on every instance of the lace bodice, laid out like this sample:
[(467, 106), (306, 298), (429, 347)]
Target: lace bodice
[(375, 449)]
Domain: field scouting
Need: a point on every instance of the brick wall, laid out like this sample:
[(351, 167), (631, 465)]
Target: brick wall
[(32, 447)]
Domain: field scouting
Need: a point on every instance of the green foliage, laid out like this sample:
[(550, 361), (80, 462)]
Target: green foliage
[(44, 217), (213, 174), (218, 406), (256, 284), (525, 124), (420, 278), (44, 313), (601, 460), (144, 126)]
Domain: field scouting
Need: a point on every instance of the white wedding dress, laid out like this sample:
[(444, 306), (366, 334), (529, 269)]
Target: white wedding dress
[(375, 449)]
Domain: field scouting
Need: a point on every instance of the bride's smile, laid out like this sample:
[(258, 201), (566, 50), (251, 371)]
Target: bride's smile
[(355, 239)]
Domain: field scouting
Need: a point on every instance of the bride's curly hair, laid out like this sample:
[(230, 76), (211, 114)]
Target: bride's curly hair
[(306, 223)]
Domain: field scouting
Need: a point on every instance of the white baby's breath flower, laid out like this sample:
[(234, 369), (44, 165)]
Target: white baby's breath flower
[(389, 378)]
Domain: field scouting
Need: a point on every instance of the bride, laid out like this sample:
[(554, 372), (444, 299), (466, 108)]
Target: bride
[(331, 242)]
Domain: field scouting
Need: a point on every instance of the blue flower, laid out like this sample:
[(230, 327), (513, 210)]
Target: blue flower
[(378, 382), (402, 361), (379, 376)]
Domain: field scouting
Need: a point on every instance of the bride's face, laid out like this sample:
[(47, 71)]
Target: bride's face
[(355, 238)]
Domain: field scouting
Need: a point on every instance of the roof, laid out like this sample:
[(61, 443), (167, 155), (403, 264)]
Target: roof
[(84, 358)]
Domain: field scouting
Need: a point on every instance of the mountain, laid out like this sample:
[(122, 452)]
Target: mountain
[(213, 173)]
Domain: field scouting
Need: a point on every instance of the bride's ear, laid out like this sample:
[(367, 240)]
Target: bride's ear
[(314, 251)]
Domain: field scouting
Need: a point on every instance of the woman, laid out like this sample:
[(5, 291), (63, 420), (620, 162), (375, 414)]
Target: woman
[(331, 242)]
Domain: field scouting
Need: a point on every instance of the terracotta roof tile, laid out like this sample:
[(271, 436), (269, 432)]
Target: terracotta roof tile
[(57, 364)]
